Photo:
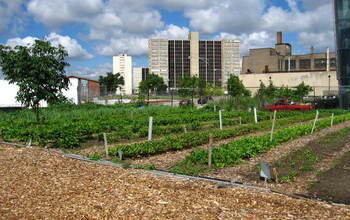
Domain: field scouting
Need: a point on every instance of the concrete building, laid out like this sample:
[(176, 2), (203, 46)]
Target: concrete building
[(281, 59), (139, 74), (123, 64), (322, 82), (212, 60)]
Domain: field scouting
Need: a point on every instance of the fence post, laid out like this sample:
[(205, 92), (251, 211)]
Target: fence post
[(314, 125), (105, 142), (332, 119), (273, 125), (211, 140), (150, 124), (255, 115), (220, 118)]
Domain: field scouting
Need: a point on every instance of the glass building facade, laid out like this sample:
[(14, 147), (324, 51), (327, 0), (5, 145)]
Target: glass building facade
[(342, 23)]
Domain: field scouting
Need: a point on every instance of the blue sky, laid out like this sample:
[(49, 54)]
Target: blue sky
[(94, 30)]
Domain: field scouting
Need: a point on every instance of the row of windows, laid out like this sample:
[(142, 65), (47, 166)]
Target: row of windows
[(320, 63)]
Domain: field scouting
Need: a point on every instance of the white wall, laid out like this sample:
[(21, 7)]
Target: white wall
[(8, 93), (72, 92), (123, 64)]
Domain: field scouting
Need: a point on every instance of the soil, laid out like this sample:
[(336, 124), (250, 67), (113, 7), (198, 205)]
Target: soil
[(248, 172), (37, 184), (334, 184)]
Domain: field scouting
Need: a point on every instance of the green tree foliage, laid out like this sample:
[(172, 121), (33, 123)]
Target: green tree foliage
[(153, 82), (111, 82), (188, 85), (37, 70), (272, 93), (212, 90), (236, 88)]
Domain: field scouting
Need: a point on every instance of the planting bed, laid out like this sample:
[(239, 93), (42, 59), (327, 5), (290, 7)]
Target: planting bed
[(35, 184)]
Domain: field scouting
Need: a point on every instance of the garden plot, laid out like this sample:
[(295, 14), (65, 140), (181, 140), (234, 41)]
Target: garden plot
[(36, 184)]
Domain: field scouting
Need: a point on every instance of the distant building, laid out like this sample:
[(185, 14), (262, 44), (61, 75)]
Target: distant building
[(281, 59), (81, 89), (211, 60), (123, 64), (139, 74)]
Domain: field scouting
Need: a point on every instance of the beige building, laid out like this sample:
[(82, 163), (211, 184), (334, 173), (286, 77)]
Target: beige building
[(322, 82), (123, 64), (138, 74), (281, 59), (212, 60)]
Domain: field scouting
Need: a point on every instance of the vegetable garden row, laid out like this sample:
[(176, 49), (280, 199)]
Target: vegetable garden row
[(239, 150), (68, 126), (194, 139)]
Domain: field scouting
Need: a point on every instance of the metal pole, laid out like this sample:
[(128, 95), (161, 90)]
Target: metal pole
[(105, 142)]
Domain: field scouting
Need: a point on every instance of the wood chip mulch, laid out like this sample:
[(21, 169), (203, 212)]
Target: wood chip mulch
[(36, 184)]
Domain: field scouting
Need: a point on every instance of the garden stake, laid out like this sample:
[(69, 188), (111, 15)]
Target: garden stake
[(332, 119), (211, 140), (273, 125), (150, 123), (255, 116), (106, 144), (220, 118), (314, 125)]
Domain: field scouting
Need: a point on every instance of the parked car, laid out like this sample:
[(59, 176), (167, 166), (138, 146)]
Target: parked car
[(185, 102), (204, 100)]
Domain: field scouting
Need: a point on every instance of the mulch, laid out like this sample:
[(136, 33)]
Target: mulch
[(37, 184)]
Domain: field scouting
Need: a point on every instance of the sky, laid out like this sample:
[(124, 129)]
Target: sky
[(92, 31)]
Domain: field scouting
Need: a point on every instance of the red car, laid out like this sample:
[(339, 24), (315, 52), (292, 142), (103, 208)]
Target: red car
[(285, 105)]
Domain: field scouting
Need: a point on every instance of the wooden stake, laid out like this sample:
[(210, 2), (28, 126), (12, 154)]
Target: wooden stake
[(211, 140), (150, 124), (255, 116), (106, 144), (314, 125), (220, 118), (273, 125), (332, 119)]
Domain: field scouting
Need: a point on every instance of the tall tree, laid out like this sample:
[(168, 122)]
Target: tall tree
[(111, 82), (38, 71), (188, 85), (153, 82), (236, 88)]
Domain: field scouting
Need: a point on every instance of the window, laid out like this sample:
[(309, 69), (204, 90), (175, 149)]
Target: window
[(305, 64), (320, 63)]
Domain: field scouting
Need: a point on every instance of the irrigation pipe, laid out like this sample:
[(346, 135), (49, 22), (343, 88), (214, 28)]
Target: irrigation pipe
[(224, 182)]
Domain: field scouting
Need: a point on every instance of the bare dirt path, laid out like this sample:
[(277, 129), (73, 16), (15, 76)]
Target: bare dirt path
[(36, 184), (246, 171)]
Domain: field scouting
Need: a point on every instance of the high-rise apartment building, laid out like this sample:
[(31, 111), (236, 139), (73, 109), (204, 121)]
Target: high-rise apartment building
[(211, 60), (123, 64)]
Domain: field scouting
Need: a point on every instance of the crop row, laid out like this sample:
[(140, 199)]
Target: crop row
[(194, 139), (244, 148)]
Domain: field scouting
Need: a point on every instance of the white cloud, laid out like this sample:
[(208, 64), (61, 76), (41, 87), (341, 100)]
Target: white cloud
[(93, 73), (320, 41), (138, 45), (58, 12), (11, 15), (74, 49), (253, 40)]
